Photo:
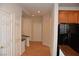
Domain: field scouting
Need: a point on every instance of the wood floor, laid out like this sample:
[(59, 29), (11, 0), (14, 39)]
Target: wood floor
[(68, 51), (37, 49)]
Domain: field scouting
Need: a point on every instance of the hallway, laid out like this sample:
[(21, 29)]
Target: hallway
[(38, 22), (37, 49)]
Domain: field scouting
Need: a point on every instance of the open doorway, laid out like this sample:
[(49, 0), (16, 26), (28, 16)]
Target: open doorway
[(34, 27)]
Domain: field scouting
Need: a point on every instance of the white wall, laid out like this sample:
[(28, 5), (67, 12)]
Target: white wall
[(47, 30), (54, 17), (15, 20), (50, 30), (32, 26), (27, 26)]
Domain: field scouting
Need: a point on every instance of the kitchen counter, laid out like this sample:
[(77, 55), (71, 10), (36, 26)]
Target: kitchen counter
[(26, 38), (68, 51)]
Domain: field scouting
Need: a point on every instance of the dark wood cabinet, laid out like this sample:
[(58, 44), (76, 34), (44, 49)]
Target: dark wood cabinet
[(63, 17), (68, 16), (78, 17), (72, 17)]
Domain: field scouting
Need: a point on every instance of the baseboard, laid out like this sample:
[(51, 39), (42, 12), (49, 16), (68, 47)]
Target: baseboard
[(46, 44), (35, 41)]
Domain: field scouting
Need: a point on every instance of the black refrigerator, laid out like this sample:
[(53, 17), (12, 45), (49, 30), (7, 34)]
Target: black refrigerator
[(74, 37), (68, 34), (63, 33)]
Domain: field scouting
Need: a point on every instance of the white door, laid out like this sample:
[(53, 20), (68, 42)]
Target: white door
[(5, 33), (37, 30)]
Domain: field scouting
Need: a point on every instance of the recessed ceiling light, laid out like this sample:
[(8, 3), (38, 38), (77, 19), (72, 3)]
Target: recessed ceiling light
[(38, 11), (33, 15)]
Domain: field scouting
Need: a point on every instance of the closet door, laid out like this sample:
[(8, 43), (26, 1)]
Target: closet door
[(5, 33), (37, 30)]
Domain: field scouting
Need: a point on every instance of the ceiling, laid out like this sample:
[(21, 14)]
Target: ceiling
[(32, 9), (36, 9)]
